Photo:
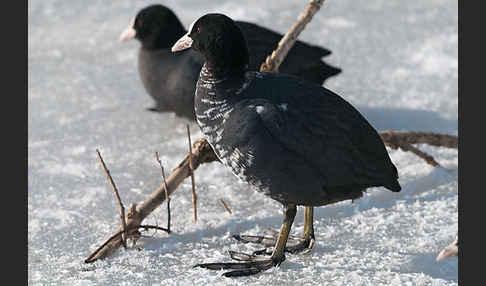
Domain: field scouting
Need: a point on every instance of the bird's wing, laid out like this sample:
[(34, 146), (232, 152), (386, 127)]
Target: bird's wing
[(325, 130)]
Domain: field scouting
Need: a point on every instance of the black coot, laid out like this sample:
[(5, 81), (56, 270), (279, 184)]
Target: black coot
[(170, 79), (293, 140)]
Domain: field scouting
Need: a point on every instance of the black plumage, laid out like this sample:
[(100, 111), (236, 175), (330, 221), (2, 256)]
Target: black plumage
[(293, 140), (170, 78), (281, 133)]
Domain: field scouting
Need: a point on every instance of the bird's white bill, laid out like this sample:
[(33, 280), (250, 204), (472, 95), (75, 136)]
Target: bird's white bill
[(183, 43), (449, 251), (129, 32)]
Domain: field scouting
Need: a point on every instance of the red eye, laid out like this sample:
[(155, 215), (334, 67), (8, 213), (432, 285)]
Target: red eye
[(198, 31)]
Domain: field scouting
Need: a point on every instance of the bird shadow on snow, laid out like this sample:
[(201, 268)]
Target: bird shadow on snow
[(380, 198), (377, 198), (407, 119)]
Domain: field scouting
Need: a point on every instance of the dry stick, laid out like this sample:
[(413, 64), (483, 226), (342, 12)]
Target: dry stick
[(429, 159), (165, 188), (147, 226), (108, 247), (274, 60), (404, 139), (194, 196), (117, 196), (201, 153), (419, 137), (225, 206)]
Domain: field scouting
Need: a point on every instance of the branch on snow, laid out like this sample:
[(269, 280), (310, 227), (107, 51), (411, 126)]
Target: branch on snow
[(201, 153), (405, 139)]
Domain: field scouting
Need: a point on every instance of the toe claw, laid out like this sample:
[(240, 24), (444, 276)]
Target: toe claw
[(264, 251), (294, 244), (220, 266), (249, 238), (251, 266), (265, 240), (212, 266), (240, 256)]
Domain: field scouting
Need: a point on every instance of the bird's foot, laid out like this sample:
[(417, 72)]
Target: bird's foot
[(251, 264), (294, 244), (267, 239)]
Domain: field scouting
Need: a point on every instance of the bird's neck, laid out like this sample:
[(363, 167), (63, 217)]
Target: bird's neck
[(220, 74)]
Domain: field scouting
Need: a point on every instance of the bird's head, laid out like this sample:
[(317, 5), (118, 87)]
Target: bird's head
[(155, 26), (218, 39)]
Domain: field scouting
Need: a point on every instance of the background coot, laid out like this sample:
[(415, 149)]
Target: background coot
[(170, 79)]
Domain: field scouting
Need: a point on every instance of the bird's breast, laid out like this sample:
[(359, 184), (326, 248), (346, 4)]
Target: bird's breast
[(211, 116)]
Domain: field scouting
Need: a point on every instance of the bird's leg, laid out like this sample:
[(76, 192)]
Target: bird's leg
[(308, 239), (252, 264), (294, 244)]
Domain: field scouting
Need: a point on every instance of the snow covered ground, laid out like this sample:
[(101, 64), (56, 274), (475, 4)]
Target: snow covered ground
[(399, 61)]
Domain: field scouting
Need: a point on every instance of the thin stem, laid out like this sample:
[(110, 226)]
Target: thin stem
[(191, 170), (225, 206), (166, 190), (117, 196)]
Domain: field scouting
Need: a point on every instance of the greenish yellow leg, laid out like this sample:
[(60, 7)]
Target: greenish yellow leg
[(279, 249), (255, 264)]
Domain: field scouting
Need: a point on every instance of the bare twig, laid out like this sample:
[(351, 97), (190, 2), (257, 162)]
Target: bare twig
[(117, 196), (225, 206), (165, 188), (428, 158), (405, 139), (274, 60), (420, 137), (146, 226), (107, 248), (191, 168), (201, 153)]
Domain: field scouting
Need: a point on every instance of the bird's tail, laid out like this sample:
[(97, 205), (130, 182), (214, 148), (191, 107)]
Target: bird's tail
[(319, 72), (393, 186)]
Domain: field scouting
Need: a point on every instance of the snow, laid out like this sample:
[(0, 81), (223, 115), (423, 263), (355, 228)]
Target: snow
[(400, 69)]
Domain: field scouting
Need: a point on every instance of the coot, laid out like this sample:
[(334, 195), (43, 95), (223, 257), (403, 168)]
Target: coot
[(170, 79), (291, 139)]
